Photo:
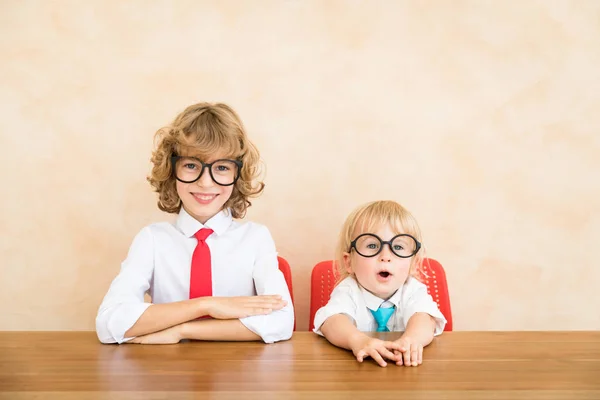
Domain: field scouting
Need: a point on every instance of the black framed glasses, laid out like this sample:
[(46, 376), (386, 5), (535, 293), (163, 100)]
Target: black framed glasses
[(369, 245), (223, 172)]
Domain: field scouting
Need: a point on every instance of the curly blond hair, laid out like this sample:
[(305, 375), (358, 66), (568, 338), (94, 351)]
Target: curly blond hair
[(367, 219), (205, 130)]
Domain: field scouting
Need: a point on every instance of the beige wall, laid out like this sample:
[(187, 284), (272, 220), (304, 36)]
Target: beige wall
[(482, 118)]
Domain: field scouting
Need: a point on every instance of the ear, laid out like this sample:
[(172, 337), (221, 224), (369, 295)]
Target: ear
[(347, 265), (413, 271)]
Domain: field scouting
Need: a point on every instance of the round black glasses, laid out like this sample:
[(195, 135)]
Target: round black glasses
[(189, 169), (369, 245)]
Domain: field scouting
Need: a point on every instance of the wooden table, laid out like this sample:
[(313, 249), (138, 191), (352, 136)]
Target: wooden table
[(457, 365)]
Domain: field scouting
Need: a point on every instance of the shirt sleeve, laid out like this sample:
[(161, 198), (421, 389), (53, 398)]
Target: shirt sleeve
[(124, 302), (268, 280), (418, 300), (340, 302)]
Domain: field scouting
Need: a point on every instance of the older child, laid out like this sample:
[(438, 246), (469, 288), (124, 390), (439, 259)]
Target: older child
[(209, 276)]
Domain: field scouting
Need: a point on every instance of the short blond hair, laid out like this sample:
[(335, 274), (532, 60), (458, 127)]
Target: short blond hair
[(203, 130), (370, 217)]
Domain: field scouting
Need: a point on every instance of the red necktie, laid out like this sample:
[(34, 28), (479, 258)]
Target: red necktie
[(201, 274)]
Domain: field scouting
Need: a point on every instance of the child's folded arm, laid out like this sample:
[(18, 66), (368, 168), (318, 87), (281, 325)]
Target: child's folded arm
[(162, 316), (269, 280), (218, 330), (124, 315), (124, 302), (273, 327)]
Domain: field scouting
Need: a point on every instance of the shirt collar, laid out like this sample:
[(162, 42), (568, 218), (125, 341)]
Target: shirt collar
[(373, 302), (189, 225)]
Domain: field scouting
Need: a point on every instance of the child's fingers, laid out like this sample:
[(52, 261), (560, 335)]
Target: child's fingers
[(414, 355), (267, 297), (269, 306), (265, 300), (377, 357), (251, 311), (394, 346), (264, 307), (387, 354), (262, 300), (398, 355), (360, 356), (406, 355), (281, 304), (258, 311), (274, 301), (276, 304), (420, 355)]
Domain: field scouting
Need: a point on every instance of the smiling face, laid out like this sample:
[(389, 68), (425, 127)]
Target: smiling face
[(383, 274), (204, 198), (207, 132)]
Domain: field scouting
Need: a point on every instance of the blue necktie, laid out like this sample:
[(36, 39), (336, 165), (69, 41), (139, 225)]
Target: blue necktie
[(382, 316)]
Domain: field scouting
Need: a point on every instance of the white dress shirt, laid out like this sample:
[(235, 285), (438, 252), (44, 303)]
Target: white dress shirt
[(349, 298), (244, 263)]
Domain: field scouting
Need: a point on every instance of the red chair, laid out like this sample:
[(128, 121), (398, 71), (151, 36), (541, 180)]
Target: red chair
[(434, 276), (284, 267), (322, 282), (324, 277)]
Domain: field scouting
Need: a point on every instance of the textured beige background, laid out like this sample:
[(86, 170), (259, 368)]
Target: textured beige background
[(482, 118)]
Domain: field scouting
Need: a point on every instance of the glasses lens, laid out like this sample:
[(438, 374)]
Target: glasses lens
[(404, 246), (188, 169), (368, 245), (224, 172)]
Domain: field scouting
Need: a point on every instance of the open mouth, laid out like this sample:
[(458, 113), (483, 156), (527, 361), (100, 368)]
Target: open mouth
[(384, 274)]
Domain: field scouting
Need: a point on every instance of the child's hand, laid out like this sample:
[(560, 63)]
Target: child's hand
[(377, 349), (170, 335), (246, 306), (412, 355)]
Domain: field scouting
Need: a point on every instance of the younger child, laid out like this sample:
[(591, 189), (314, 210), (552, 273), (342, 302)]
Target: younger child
[(209, 277), (378, 259)]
